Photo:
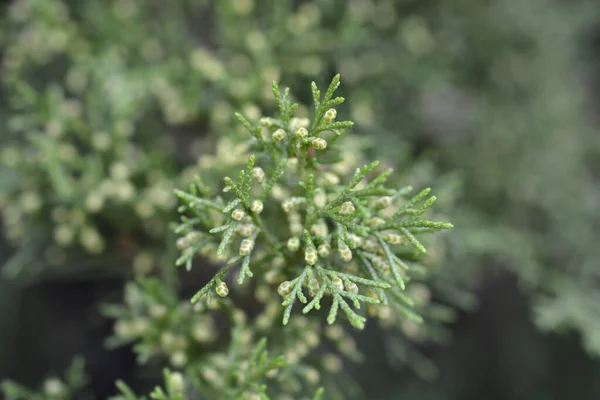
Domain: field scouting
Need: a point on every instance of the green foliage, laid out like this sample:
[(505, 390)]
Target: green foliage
[(54, 388), (174, 383), (362, 219), (106, 107)]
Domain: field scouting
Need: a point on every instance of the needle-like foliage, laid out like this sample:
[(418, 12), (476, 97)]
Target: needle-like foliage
[(345, 244)]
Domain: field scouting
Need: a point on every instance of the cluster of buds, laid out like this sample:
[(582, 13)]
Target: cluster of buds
[(393, 238), (346, 208), (319, 144)]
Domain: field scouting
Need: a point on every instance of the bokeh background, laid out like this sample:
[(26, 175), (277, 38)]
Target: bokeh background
[(494, 103)]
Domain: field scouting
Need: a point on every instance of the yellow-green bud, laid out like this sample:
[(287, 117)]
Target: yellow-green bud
[(393, 238), (54, 387), (284, 288), (222, 289), (237, 214), (310, 255), (256, 207), (157, 311), (323, 250), (246, 247), (332, 363), (63, 234), (245, 230), (167, 341), (290, 204), (371, 246), (292, 164), (319, 143), (320, 199), (352, 288), (376, 221), (278, 135), (345, 253), (176, 381), (179, 359), (330, 178), (384, 201), (266, 122), (301, 132), (258, 174), (337, 282), (356, 239), (330, 115), (293, 244), (347, 208)]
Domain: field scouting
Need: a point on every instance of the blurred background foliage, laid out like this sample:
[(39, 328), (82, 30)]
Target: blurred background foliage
[(105, 107)]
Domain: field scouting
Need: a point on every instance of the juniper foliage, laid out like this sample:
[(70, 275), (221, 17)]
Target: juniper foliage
[(354, 241)]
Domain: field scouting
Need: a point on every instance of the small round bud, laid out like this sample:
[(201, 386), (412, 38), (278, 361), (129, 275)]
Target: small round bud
[(293, 244), (330, 115), (256, 207), (237, 214), (296, 228), (290, 204), (258, 174), (330, 178), (157, 311), (323, 250), (284, 288), (420, 294), (179, 359), (176, 381), (393, 238), (299, 123), (202, 333), (278, 135), (312, 376), (345, 253), (376, 221), (167, 341), (319, 143), (246, 247), (347, 208), (310, 255), (54, 387), (301, 132), (292, 164), (384, 201), (222, 289), (320, 199), (356, 239), (337, 282), (320, 229), (332, 363), (352, 288), (245, 230), (266, 122)]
